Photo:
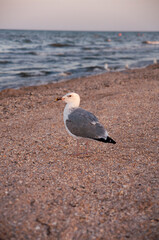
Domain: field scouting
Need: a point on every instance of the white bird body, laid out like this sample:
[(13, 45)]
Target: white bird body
[(66, 113), (70, 106)]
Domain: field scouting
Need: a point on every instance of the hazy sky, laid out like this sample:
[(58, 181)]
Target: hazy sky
[(115, 15)]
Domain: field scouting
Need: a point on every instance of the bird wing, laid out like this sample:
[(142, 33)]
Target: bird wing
[(85, 124)]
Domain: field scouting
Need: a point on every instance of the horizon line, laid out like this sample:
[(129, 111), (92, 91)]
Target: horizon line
[(60, 30)]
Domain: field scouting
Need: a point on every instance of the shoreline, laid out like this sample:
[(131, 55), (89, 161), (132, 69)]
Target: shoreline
[(19, 91), (111, 193)]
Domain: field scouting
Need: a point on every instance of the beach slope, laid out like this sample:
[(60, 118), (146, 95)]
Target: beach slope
[(111, 193)]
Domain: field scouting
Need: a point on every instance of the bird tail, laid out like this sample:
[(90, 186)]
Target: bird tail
[(107, 140)]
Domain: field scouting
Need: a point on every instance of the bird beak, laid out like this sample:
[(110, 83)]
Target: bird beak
[(60, 98), (57, 99)]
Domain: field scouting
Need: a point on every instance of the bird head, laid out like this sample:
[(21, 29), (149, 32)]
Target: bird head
[(72, 99)]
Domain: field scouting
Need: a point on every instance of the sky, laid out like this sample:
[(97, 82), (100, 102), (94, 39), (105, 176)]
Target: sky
[(87, 15)]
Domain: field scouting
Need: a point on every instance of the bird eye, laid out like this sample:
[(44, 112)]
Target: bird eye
[(69, 95)]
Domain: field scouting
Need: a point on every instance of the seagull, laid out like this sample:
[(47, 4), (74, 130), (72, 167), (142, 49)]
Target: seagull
[(155, 61), (106, 67), (127, 66), (81, 124)]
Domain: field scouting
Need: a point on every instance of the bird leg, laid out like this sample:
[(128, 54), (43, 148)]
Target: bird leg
[(77, 149), (87, 146)]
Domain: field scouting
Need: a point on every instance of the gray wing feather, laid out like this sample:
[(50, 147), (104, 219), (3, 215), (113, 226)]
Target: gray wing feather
[(84, 124)]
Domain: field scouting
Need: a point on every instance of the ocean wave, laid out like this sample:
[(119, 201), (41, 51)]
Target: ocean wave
[(94, 68), (46, 73), (150, 42), (25, 74), (60, 45), (32, 53), (87, 48), (22, 52), (34, 74), (91, 49), (27, 41), (5, 62), (64, 74)]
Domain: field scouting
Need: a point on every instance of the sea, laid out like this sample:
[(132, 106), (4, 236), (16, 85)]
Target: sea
[(30, 57)]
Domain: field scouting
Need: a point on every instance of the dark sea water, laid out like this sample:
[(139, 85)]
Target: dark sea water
[(39, 57)]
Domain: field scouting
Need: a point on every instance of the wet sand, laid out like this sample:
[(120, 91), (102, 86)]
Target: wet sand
[(111, 193)]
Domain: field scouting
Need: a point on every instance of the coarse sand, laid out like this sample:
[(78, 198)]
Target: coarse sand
[(46, 192)]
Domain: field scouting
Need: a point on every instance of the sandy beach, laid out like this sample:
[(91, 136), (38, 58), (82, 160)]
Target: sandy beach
[(110, 193)]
